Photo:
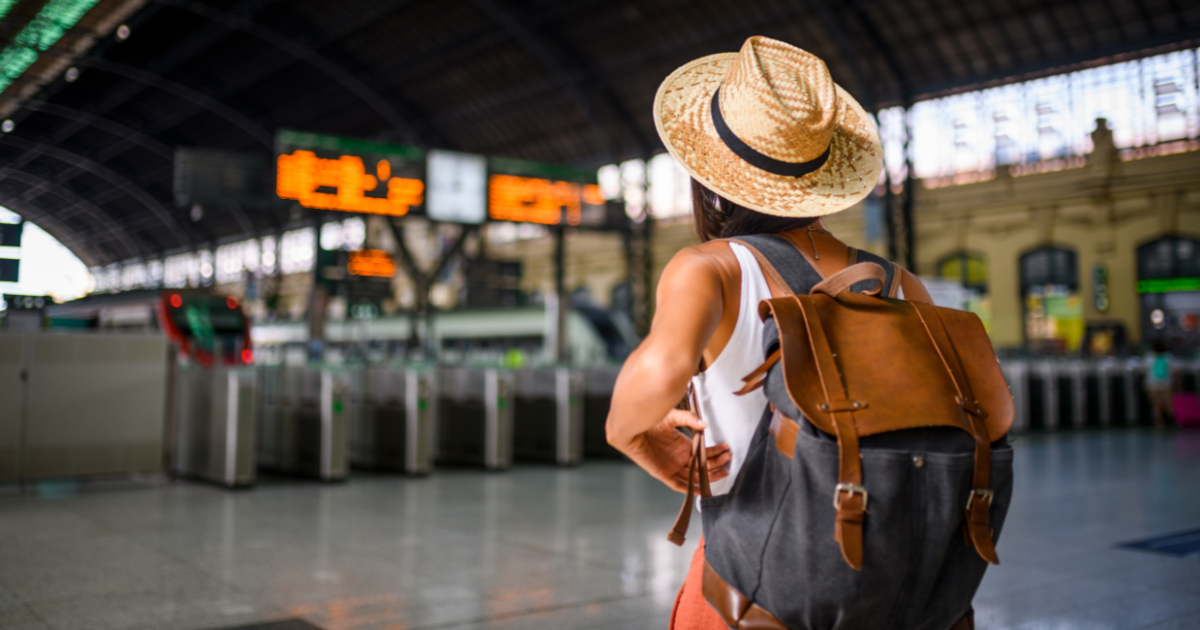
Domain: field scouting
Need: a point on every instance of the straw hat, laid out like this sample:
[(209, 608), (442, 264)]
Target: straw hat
[(767, 128)]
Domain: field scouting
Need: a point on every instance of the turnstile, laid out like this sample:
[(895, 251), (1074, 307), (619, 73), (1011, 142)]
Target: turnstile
[(598, 385), (1016, 372), (548, 415), (214, 419), (475, 417), (302, 422), (393, 423)]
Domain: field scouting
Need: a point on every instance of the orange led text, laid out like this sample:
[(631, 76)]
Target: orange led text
[(371, 262), (535, 200), (301, 174)]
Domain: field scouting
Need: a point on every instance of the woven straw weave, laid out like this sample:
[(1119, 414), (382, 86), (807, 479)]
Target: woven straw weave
[(781, 101)]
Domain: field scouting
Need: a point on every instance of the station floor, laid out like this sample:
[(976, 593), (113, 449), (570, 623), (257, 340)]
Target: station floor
[(547, 548)]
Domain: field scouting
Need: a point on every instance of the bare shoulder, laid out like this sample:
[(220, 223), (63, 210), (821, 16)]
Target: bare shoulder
[(712, 262)]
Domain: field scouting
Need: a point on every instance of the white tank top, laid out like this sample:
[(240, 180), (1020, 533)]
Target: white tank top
[(732, 419)]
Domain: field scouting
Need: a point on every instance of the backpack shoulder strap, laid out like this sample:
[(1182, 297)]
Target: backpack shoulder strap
[(890, 286), (778, 257)]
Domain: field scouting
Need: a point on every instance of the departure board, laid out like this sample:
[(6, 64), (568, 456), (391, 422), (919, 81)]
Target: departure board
[(529, 192), (350, 175), (374, 263)]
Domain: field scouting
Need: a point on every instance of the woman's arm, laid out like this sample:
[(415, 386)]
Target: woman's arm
[(643, 421)]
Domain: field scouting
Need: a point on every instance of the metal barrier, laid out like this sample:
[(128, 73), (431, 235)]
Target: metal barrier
[(214, 411), (82, 404), (1078, 393), (393, 424), (302, 422), (475, 417), (598, 385), (548, 415)]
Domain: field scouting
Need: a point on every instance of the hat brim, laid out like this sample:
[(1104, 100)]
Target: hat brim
[(683, 116)]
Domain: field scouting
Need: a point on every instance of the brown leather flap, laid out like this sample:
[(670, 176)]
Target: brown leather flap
[(888, 363)]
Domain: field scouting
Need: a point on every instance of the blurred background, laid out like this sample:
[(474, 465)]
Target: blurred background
[(354, 254)]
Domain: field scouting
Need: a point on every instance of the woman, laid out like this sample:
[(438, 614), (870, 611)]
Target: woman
[(772, 144)]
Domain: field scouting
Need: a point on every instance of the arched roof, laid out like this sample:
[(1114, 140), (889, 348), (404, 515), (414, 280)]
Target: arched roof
[(550, 80)]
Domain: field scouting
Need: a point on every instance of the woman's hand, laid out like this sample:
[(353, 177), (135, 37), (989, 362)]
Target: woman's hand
[(665, 452)]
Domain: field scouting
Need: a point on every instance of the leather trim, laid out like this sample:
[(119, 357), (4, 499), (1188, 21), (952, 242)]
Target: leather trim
[(775, 282), (784, 430), (734, 608), (848, 277)]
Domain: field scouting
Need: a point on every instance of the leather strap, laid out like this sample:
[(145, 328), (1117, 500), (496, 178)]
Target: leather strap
[(784, 430), (972, 414), (897, 273), (775, 282), (849, 497), (697, 467), (914, 290), (758, 377), (841, 281)]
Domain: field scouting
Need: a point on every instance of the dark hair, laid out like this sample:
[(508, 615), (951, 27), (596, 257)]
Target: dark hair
[(717, 217)]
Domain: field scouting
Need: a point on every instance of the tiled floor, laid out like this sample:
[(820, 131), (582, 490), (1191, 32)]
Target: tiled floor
[(544, 548)]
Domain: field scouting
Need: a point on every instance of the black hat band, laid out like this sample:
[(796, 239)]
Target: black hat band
[(759, 160)]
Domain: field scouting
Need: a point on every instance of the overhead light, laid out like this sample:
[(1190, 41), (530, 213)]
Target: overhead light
[(72, 74), (7, 126), (123, 32)]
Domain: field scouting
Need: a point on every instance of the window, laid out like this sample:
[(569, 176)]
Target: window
[(1053, 308), (971, 271)]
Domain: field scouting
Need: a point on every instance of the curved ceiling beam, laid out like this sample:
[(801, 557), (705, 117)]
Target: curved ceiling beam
[(88, 253), (105, 124), (113, 178), (550, 63), (102, 218), (887, 54), (251, 128), (834, 25), (347, 79)]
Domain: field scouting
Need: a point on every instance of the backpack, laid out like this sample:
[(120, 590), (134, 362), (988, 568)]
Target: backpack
[(879, 475)]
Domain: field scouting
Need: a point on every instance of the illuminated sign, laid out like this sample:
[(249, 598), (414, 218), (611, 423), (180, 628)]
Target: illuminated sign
[(528, 192), (333, 173), (374, 263), (457, 187), (1168, 285)]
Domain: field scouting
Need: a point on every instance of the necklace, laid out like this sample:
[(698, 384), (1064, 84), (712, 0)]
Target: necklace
[(813, 241)]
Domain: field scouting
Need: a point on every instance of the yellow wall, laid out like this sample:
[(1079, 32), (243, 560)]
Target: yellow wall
[(1101, 211)]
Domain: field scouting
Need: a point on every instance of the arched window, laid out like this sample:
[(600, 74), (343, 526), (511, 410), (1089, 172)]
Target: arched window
[(1050, 292), (1169, 291), (971, 271)]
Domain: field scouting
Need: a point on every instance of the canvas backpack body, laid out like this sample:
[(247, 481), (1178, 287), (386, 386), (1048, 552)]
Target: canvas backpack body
[(878, 478)]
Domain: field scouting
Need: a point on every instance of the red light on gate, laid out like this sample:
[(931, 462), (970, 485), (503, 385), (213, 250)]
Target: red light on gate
[(176, 300), (247, 356), (231, 302)]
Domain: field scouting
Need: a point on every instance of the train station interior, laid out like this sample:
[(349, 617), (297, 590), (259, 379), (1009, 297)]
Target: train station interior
[(312, 312)]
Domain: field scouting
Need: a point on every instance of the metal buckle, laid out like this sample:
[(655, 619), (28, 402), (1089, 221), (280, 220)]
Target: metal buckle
[(983, 493), (852, 489)]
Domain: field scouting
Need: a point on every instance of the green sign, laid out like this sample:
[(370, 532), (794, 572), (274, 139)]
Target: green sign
[(525, 168), (1169, 285), (292, 139)]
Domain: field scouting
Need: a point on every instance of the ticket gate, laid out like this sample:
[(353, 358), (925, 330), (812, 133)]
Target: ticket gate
[(303, 421), (598, 385), (214, 411), (392, 427), (475, 417), (548, 415)]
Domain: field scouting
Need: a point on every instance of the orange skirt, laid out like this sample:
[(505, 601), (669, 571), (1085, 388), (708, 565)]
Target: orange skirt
[(692, 611)]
